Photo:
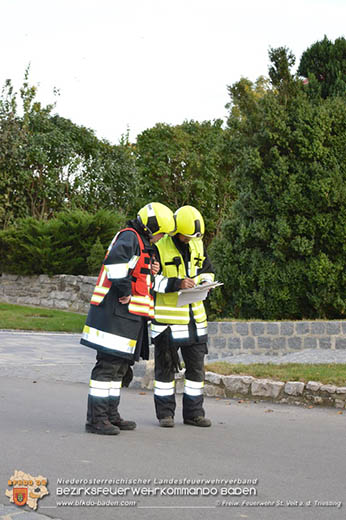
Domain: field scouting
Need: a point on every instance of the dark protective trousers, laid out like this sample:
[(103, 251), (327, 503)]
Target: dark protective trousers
[(104, 388), (164, 385)]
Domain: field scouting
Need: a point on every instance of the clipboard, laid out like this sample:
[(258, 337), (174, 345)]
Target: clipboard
[(195, 294)]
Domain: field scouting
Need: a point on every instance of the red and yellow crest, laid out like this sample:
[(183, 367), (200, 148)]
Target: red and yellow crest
[(26, 489), (20, 495)]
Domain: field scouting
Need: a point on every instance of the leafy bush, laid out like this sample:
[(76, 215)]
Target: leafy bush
[(58, 246)]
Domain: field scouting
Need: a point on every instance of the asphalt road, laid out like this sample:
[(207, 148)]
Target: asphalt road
[(294, 457)]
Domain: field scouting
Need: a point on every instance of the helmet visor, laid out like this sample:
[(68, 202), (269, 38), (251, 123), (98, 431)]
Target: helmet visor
[(196, 228)]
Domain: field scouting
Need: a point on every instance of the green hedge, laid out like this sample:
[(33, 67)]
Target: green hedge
[(63, 245)]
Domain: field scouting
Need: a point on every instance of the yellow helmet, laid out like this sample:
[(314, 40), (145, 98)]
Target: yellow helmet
[(189, 222), (157, 218)]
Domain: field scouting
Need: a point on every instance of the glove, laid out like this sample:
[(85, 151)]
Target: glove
[(166, 351)]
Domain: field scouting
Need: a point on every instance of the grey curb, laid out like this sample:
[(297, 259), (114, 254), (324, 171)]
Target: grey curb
[(251, 388)]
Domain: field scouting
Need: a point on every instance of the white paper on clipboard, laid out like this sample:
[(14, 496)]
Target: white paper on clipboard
[(195, 294)]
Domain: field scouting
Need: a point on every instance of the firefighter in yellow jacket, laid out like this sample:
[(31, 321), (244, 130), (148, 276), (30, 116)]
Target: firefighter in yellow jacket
[(183, 264), (120, 307)]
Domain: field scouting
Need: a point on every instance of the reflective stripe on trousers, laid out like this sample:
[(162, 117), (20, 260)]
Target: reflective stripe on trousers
[(104, 388), (164, 389), (193, 388)]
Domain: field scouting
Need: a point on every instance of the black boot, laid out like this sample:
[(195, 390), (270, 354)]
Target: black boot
[(103, 427), (97, 417), (200, 421), (167, 422), (124, 425), (115, 418)]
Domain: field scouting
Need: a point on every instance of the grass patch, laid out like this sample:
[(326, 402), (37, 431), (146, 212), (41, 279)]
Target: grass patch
[(331, 373), (21, 317)]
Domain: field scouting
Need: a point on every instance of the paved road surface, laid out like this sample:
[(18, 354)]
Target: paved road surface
[(293, 455)]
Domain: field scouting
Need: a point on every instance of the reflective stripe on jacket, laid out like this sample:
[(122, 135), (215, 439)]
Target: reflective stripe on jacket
[(142, 302)]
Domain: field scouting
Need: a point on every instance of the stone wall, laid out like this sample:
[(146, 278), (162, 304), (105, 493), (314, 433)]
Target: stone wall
[(63, 291), (225, 338)]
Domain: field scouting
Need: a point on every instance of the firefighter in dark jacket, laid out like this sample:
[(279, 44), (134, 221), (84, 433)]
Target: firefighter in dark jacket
[(120, 307), (184, 264)]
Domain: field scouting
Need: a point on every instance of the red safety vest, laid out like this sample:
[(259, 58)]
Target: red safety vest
[(142, 301)]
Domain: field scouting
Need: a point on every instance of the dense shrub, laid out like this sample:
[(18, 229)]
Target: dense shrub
[(282, 252), (96, 257), (58, 246)]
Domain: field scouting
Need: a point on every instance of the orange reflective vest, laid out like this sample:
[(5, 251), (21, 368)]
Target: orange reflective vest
[(142, 301)]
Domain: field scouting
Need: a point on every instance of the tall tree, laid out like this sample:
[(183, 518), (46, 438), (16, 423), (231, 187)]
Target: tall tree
[(282, 253), (48, 164), (325, 63), (184, 165), (12, 161)]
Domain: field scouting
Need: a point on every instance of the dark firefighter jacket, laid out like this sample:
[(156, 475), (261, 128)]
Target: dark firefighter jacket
[(112, 327)]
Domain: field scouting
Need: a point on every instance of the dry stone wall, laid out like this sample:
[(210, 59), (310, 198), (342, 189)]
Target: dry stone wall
[(65, 292)]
